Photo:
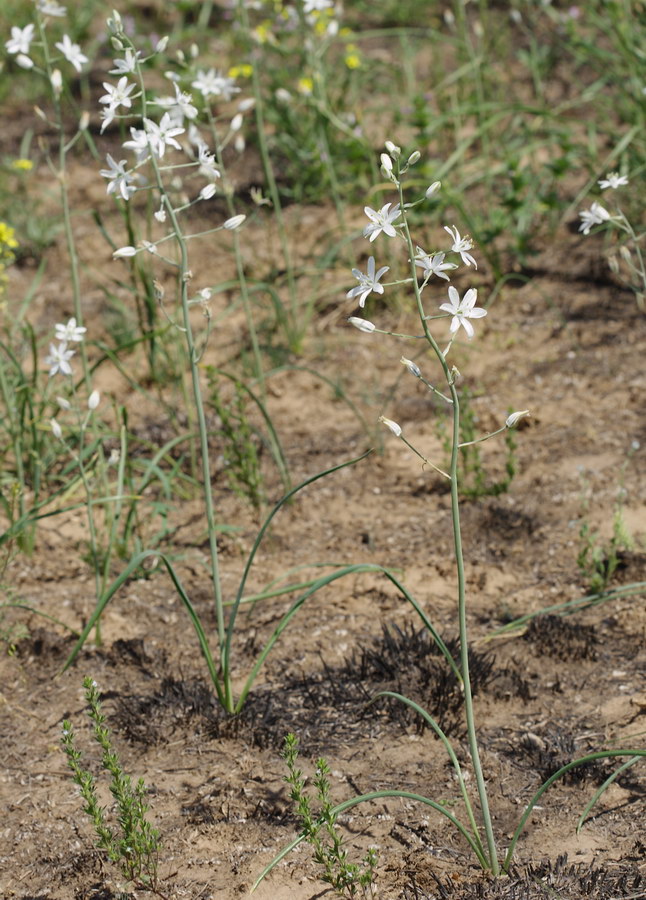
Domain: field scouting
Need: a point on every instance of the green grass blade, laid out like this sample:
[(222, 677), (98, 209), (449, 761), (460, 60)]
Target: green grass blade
[(257, 542), (38, 612), (451, 753), (289, 615), (570, 606), (103, 601), (601, 754), (427, 622), (622, 768)]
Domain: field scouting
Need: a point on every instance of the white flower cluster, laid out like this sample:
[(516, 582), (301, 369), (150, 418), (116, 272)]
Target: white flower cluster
[(59, 361), (385, 221), (153, 137), (59, 356)]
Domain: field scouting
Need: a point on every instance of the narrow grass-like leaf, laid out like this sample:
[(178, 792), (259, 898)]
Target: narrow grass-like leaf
[(590, 757), (597, 794), (257, 542), (132, 567), (289, 615), (37, 612), (569, 606), (451, 753)]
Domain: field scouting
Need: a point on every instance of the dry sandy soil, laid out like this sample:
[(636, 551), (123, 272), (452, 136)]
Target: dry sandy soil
[(569, 344)]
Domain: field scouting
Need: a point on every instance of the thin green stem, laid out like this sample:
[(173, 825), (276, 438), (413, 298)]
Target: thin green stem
[(65, 206), (459, 558), (293, 336), (242, 278), (193, 356)]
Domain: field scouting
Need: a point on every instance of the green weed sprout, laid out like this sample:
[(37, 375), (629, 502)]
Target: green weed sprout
[(392, 222), (133, 844), (320, 830), (597, 559)]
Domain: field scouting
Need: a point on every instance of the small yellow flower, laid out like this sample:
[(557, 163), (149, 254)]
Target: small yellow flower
[(243, 71), (22, 165), (305, 86), (262, 33), (7, 238), (353, 61)]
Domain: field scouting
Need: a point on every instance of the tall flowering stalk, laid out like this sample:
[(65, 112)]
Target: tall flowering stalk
[(154, 141), (461, 312), (391, 222)]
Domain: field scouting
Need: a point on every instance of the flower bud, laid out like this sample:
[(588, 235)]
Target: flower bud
[(63, 403), (236, 122), (57, 431), (413, 158), (161, 45), (234, 222), (24, 61), (93, 400), (114, 22), (386, 164), (57, 82), (84, 121), (515, 417), (433, 189), (362, 324), (207, 191), (117, 44), (124, 252), (412, 367), (394, 427), (393, 149)]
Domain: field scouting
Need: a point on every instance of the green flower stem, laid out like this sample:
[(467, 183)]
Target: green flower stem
[(65, 206), (459, 558), (242, 278), (426, 461), (485, 437), (193, 356), (293, 336)]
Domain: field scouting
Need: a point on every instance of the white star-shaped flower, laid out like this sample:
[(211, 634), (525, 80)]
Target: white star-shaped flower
[(463, 310), (596, 215), (50, 8), (381, 221), (207, 162), (368, 282), (70, 332), (126, 66), (159, 136), (138, 144), (612, 180), (179, 107), (119, 94), (116, 96), (461, 245), (433, 265), (214, 84), (120, 180), (58, 359), (71, 52), (20, 39)]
